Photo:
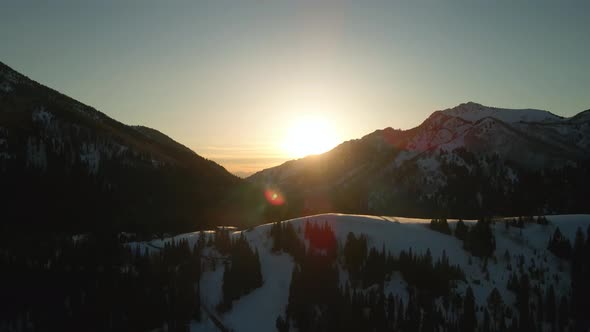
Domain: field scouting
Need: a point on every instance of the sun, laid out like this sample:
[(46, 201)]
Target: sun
[(309, 135)]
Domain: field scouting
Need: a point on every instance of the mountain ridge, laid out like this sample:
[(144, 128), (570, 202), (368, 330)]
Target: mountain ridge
[(497, 149), (395, 136)]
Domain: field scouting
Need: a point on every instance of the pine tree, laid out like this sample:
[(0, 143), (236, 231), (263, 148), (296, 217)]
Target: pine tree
[(560, 245), (522, 301), (480, 239), (496, 306), (440, 225), (281, 324), (486, 321), (550, 306), (579, 276), (256, 270), (469, 320), (390, 309), (461, 230), (564, 315), (242, 273)]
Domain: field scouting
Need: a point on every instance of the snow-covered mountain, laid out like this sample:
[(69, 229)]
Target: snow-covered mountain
[(473, 112), (519, 251), (467, 160), (64, 164)]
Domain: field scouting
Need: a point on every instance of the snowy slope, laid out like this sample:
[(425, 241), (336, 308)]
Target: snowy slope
[(474, 112), (259, 309)]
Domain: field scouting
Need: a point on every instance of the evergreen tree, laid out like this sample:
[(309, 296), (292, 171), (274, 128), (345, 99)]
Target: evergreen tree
[(560, 245), (281, 324), (461, 230), (487, 323), (480, 239), (469, 319), (564, 315), (440, 225), (496, 307), (242, 272), (355, 254), (550, 306), (522, 302), (580, 274)]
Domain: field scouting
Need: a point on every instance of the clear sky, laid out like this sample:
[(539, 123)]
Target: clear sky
[(229, 79)]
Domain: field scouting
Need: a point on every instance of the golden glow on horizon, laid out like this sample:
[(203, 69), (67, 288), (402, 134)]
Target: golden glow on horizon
[(309, 135)]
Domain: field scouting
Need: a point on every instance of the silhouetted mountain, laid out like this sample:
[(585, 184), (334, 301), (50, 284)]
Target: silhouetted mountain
[(65, 165), (465, 161)]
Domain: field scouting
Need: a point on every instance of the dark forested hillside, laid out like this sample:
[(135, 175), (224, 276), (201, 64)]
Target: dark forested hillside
[(96, 282), (67, 166)]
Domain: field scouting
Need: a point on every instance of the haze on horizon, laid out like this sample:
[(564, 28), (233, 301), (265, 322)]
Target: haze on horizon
[(230, 80)]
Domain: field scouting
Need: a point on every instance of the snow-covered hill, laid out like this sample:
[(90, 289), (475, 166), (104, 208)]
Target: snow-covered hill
[(524, 250), (474, 112)]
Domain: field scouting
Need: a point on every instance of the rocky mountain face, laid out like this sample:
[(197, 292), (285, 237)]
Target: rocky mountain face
[(65, 165), (463, 162)]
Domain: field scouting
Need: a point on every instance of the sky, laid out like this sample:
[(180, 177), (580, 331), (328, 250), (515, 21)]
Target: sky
[(233, 79)]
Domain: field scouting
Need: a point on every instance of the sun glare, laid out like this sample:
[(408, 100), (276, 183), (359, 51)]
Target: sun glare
[(308, 136)]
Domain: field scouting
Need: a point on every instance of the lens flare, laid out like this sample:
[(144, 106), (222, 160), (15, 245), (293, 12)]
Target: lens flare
[(274, 197)]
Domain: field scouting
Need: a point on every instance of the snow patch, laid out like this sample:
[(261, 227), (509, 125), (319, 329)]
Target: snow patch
[(90, 156), (36, 154), (397, 286), (6, 156), (42, 116), (511, 175), (6, 87), (429, 164), (403, 156)]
